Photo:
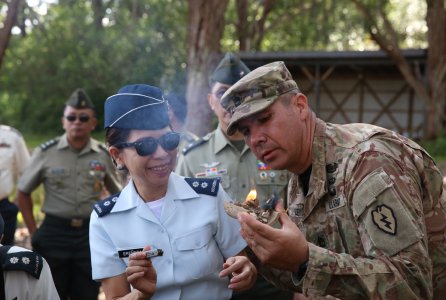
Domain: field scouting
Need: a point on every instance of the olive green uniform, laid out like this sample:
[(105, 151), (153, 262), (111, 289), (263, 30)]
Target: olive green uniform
[(73, 181), (215, 156)]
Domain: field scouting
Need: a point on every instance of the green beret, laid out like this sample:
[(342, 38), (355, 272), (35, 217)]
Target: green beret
[(229, 70), (256, 91), (79, 99)]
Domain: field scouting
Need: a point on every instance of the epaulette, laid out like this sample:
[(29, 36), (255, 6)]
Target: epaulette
[(49, 143), (103, 147), (207, 186), (104, 207), (27, 261), (195, 144)]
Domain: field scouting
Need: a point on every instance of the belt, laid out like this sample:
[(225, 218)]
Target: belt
[(73, 222)]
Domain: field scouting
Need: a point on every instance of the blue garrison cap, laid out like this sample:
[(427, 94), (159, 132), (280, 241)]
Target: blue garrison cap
[(136, 106)]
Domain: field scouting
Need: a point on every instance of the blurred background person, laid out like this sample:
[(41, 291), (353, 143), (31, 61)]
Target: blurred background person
[(14, 156), (229, 158), (74, 168)]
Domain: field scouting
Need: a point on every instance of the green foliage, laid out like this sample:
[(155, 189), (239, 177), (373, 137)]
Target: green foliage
[(436, 148), (145, 42), (66, 51)]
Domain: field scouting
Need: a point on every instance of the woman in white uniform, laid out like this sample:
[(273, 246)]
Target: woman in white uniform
[(202, 251)]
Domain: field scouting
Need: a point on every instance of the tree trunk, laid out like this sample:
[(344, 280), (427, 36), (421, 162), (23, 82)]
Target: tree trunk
[(5, 32), (205, 29), (434, 95), (436, 64)]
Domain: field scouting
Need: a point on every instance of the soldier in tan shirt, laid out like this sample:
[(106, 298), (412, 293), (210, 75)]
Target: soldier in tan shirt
[(73, 169)]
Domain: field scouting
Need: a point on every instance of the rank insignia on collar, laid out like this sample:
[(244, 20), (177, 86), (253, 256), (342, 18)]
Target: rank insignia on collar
[(384, 218)]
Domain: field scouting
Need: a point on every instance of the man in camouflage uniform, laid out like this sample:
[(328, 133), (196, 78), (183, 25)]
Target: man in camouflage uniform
[(368, 203), (73, 168), (218, 155)]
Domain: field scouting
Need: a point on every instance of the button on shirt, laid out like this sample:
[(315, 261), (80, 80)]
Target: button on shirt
[(14, 156), (73, 180), (194, 232)]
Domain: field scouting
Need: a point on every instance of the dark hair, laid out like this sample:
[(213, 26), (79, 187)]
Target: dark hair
[(115, 136)]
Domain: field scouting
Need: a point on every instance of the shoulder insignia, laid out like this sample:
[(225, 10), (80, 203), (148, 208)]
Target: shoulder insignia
[(48, 144), (27, 261), (207, 186), (103, 147), (104, 207), (196, 143)]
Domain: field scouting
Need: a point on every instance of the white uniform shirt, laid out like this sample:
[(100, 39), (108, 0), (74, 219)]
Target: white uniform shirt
[(14, 156), (22, 285), (194, 232)]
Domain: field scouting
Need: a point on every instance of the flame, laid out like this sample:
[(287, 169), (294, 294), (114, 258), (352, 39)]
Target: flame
[(252, 195)]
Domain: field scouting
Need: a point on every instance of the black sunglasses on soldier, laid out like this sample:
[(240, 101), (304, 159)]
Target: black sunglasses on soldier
[(83, 118)]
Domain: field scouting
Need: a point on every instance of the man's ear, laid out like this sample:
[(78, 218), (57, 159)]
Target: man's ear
[(300, 101), (211, 101)]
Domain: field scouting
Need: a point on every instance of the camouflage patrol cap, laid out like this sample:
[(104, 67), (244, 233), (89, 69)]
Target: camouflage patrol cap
[(256, 91), (136, 106), (229, 70), (79, 99)]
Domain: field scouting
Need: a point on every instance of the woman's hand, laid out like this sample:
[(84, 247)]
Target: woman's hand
[(242, 272), (141, 274)]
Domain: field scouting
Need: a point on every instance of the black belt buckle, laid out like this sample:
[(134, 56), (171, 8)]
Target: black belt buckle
[(76, 223)]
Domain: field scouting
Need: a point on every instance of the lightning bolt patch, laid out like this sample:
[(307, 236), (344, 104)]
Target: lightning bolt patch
[(384, 218)]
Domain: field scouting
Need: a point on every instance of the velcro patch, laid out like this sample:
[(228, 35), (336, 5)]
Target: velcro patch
[(379, 209)]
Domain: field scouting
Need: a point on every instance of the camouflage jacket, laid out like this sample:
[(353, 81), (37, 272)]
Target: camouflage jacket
[(374, 217)]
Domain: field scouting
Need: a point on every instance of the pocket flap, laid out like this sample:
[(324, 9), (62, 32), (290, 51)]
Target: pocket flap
[(194, 240)]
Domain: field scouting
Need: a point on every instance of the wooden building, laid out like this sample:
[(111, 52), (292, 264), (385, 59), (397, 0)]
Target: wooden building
[(355, 86)]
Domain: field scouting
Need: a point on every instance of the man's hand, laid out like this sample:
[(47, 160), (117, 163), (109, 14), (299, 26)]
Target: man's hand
[(285, 248), (243, 272)]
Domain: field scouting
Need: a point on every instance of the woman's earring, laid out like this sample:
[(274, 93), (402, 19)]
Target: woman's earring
[(120, 167)]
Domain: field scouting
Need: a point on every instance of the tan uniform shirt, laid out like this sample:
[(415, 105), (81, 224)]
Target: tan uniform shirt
[(73, 180), (374, 215), (14, 156), (215, 156), (21, 285)]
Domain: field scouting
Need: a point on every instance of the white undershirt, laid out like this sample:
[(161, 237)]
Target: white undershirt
[(156, 207)]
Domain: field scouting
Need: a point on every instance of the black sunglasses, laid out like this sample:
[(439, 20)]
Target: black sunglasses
[(147, 146), (72, 118)]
